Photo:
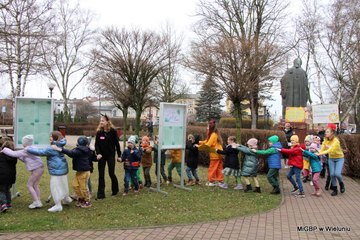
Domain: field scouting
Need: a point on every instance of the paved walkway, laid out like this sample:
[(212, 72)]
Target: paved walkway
[(340, 213)]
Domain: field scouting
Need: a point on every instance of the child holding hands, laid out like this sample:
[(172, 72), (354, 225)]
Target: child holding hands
[(131, 158), (250, 164), (34, 165), (231, 163), (315, 166)]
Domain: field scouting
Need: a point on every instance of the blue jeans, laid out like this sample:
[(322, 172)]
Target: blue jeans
[(335, 168), (130, 174), (296, 171), (192, 171)]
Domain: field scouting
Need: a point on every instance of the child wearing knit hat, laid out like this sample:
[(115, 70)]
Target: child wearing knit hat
[(251, 164), (306, 168), (146, 159), (296, 164), (34, 165), (274, 162), (315, 166)]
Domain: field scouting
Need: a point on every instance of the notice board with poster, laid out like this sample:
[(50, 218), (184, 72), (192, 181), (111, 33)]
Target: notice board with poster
[(172, 126), (33, 116), (295, 114), (325, 113)]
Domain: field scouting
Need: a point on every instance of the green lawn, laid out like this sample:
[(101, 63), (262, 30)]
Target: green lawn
[(145, 209)]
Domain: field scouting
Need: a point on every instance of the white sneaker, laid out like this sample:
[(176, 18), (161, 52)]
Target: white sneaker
[(36, 204), (210, 184), (56, 208), (67, 200), (311, 183)]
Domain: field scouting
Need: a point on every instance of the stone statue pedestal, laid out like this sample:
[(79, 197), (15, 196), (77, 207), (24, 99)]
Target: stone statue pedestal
[(299, 129)]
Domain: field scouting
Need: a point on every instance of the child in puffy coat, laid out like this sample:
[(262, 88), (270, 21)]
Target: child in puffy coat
[(34, 165), (146, 159), (274, 162), (295, 163), (131, 158), (81, 160), (251, 164), (58, 170)]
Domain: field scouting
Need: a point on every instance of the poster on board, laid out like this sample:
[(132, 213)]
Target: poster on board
[(172, 126), (325, 113), (33, 116)]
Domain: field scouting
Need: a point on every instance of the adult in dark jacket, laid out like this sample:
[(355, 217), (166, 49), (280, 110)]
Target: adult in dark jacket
[(7, 176), (288, 133), (106, 144), (192, 160)]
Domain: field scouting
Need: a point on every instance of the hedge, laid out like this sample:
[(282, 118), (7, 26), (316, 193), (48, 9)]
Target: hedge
[(261, 135), (351, 148), (246, 123)]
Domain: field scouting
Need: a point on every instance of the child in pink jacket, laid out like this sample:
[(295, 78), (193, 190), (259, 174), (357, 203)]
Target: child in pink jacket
[(34, 165)]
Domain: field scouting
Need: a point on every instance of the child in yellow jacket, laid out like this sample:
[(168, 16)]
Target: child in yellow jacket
[(175, 155)]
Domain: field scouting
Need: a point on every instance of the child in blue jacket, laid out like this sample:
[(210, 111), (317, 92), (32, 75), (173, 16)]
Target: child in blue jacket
[(131, 158), (274, 162)]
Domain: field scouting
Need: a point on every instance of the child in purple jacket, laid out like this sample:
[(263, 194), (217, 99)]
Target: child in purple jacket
[(34, 165)]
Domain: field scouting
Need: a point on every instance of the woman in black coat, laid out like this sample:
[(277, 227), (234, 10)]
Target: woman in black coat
[(7, 176), (106, 144)]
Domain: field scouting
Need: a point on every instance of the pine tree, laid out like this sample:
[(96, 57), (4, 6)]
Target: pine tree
[(208, 105)]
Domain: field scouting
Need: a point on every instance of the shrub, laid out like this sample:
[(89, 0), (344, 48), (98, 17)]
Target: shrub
[(261, 135), (351, 148), (246, 123)]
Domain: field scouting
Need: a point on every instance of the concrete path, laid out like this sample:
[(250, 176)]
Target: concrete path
[(322, 217)]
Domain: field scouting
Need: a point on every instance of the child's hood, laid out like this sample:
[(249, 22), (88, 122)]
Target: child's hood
[(60, 143), (277, 145)]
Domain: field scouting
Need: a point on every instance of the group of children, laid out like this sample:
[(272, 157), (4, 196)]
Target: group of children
[(300, 159)]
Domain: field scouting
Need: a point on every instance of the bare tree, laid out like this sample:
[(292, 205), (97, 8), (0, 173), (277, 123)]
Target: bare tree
[(341, 44), (113, 86), (168, 86), (69, 41), (137, 57), (239, 46), (23, 27)]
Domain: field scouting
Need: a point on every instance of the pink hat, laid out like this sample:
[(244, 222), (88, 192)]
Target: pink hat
[(314, 146), (252, 143)]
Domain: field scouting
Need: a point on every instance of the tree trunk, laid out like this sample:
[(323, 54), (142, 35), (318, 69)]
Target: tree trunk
[(138, 122), (238, 117), (125, 113), (253, 113)]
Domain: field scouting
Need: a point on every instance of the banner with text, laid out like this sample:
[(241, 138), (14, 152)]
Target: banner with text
[(325, 113)]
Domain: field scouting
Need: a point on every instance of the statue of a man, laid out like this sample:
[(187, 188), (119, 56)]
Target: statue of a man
[(294, 87)]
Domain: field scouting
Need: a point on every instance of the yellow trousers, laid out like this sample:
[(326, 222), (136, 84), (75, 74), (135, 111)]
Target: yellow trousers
[(80, 185), (247, 181)]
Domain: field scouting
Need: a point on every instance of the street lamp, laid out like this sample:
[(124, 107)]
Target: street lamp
[(51, 86)]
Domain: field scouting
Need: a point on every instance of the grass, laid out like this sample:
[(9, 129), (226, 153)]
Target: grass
[(144, 209)]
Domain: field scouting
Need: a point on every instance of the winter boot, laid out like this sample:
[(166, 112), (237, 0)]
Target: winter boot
[(342, 187), (327, 184), (335, 191), (276, 190), (257, 189), (248, 188)]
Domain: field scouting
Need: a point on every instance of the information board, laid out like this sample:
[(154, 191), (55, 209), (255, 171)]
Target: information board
[(33, 116), (325, 113), (172, 126)]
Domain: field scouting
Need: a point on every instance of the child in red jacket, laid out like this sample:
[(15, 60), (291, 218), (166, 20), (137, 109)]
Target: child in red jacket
[(295, 163)]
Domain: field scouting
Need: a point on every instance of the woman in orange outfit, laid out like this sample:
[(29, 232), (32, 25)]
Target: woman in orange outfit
[(214, 141)]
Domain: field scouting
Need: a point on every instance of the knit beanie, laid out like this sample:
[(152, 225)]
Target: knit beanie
[(82, 141), (27, 140), (314, 146), (308, 138), (295, 138), (273, 139), (252, 143), (132, 139), (145, 141), (316, 138)]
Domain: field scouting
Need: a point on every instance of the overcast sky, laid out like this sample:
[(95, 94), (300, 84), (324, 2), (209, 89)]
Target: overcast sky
[(146, 14)]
